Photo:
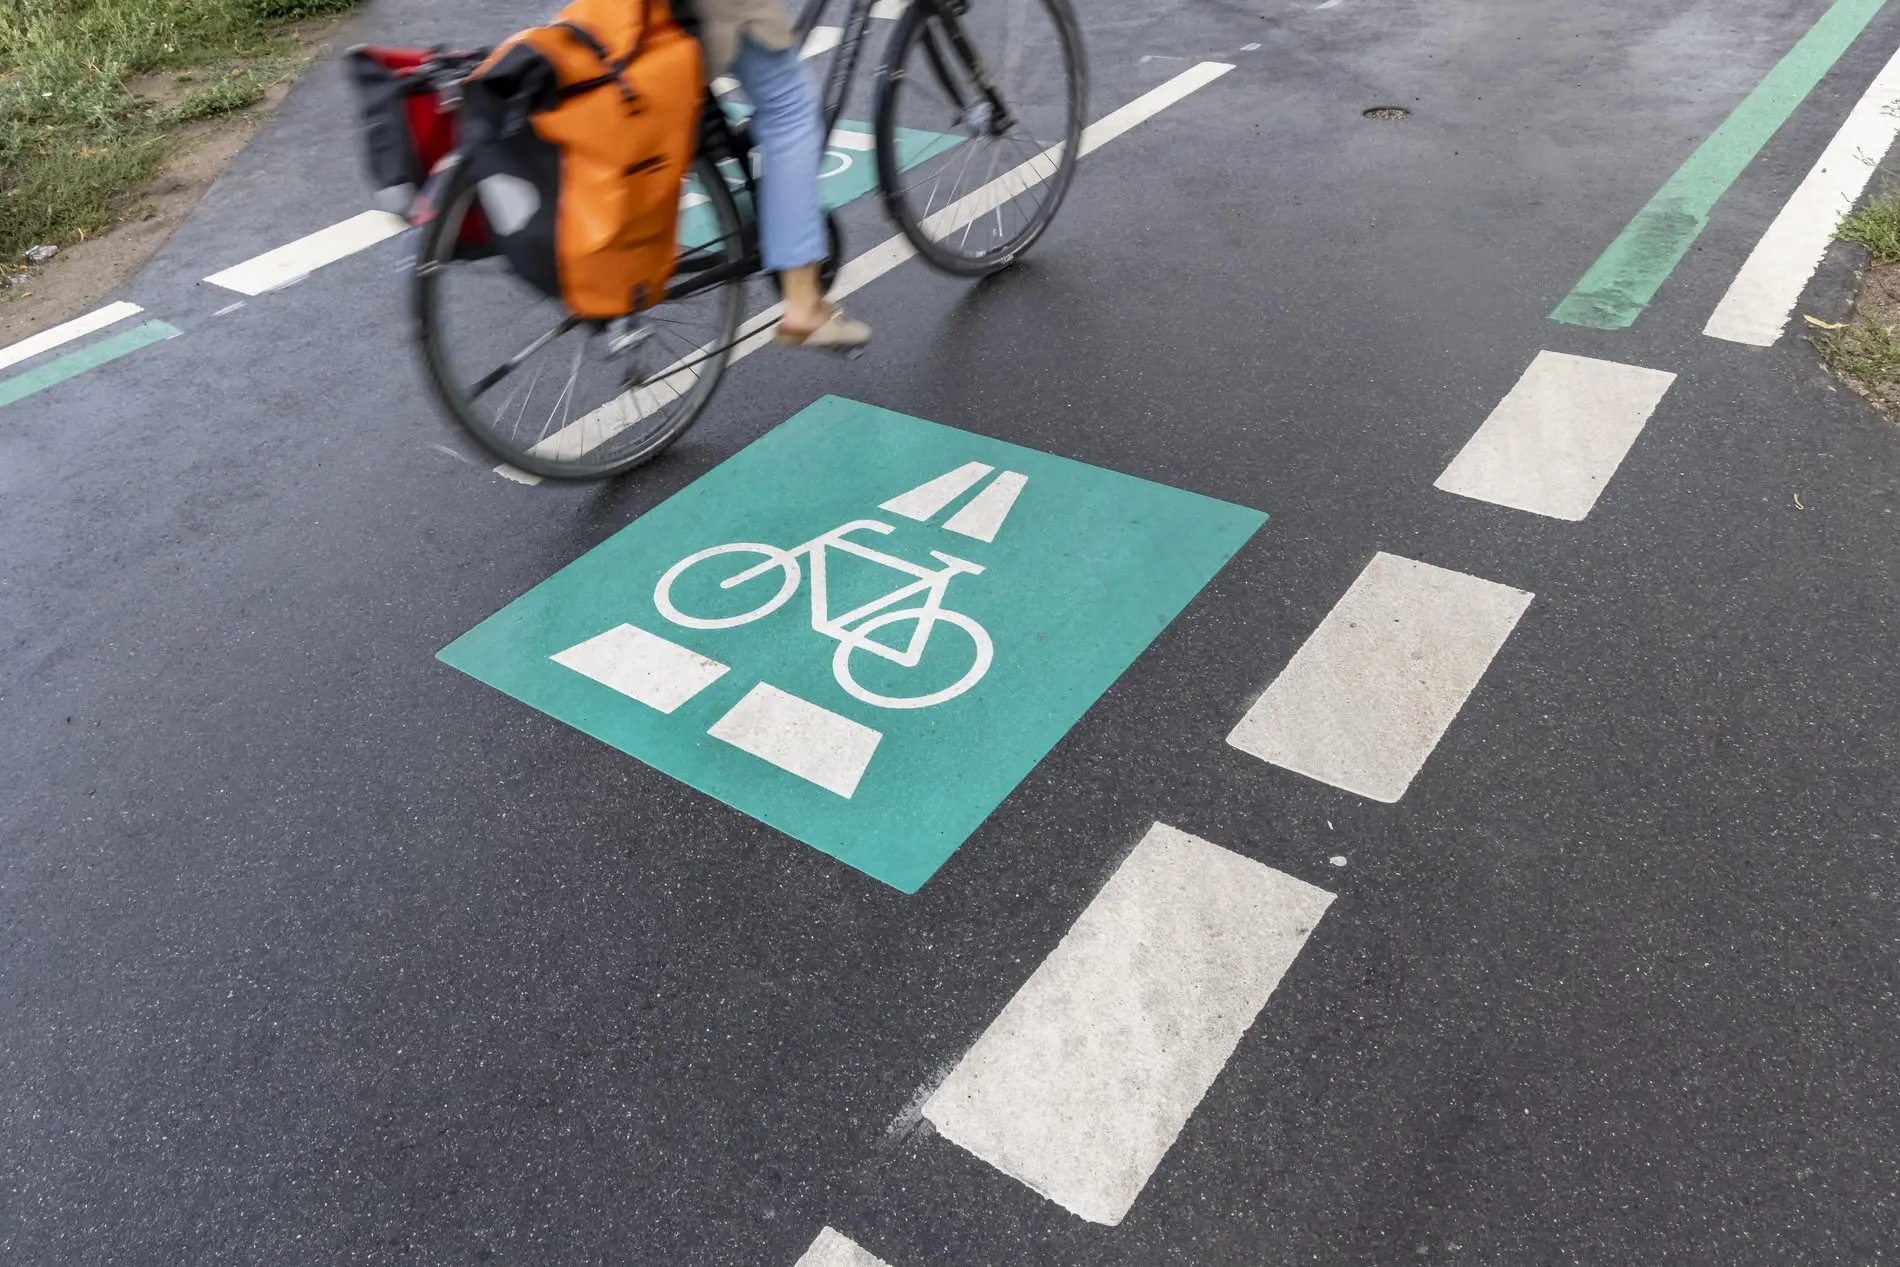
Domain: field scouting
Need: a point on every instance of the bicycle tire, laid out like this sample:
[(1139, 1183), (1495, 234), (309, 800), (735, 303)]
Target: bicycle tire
[(622, 446), (917, 48)]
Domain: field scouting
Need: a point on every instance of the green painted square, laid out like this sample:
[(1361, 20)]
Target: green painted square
[(1085, 569)]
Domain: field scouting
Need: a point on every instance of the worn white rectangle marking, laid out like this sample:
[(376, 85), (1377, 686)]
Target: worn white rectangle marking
[(602, 424), (509, 471), (799, 737), (835, 1249), (66, 332), (295, 261), (1368, 696), (889, 8), (928, 498), (1081, 1084), (821, 40), (850, 139), (642, 666), (1763, 296), (985, 513), (1552, 444)]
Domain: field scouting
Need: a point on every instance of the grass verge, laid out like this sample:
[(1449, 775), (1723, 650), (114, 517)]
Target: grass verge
[(93, 91), (1865, 350)]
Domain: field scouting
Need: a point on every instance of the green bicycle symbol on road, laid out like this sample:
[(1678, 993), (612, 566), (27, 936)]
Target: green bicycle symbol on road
[(851, 630)]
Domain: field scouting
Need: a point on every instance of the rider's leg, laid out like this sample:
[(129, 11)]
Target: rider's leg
[(788, 130)]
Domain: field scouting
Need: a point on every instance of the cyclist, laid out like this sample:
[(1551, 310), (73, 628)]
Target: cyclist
[(755, 40)]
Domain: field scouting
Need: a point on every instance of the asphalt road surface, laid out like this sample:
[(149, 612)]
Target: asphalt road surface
[(1416, 876)]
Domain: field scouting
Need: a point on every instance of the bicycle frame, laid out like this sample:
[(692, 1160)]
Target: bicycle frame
[(934, 584)]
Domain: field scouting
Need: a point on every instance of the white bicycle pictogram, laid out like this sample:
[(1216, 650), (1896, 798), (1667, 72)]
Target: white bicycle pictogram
[(931, 584)]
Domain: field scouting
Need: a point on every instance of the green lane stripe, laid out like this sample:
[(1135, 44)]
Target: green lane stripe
[(21, 386), (1627, 276)]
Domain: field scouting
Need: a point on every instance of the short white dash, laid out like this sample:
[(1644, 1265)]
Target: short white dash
[(928, 498), (799, 737), (1083, 1081), (889, 9), (295, 261), (1552, 444), (1368, 696), (66, 332), (834, 1249), (821, 40), (518, 475), (983, 517), (1248, 48), (228, 309), (1763, 296), (642, 666)]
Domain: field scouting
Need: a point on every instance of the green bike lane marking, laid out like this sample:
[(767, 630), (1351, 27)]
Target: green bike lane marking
[(1626, 277), (73, 364), (864, 629)]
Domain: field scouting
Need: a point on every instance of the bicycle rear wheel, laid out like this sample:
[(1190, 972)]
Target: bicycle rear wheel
[(973, 175), (562, 397)]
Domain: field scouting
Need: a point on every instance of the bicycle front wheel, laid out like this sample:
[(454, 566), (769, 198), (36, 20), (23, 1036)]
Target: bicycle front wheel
[(979, 126), (563, 397)]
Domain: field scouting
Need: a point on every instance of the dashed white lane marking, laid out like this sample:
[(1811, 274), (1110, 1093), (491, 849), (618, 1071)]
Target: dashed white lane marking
[(642, 666), (1081, 1084), (78, 328), (1763, 296), (295, 261), (835, 1249), (889, 8), (928, 498), (984, 515), (597, 427), (799, 737), (821, 40), (1368, 696), (1552, 444), (508, 471)]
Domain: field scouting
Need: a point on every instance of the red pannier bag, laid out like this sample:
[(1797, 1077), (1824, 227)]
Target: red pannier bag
[(409, 99)]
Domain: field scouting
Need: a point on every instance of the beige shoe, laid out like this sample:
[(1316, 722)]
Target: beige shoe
[(839, 334)]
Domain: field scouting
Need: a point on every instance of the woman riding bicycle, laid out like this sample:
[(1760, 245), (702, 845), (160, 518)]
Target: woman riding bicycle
[(754, 39)]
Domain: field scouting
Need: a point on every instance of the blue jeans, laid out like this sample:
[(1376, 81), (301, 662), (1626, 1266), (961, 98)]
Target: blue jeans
[(789, 133)]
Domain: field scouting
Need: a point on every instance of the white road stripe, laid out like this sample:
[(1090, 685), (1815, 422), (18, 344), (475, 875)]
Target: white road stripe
[(799, 737), (931, 496), (1368, 696), (593, 429), (1081, 1084), (1763, 296), (295, 261), (889, 8), (821, 40), (66, 332), (834, 1249), (852, 139), (984, 515), (642, 666), (1552, 444)]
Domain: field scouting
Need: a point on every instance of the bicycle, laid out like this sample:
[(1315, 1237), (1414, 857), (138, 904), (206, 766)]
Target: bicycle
[(931, 584), (623, 390)]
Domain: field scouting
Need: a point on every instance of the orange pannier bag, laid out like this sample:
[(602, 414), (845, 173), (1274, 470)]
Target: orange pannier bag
[(578, 135)]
